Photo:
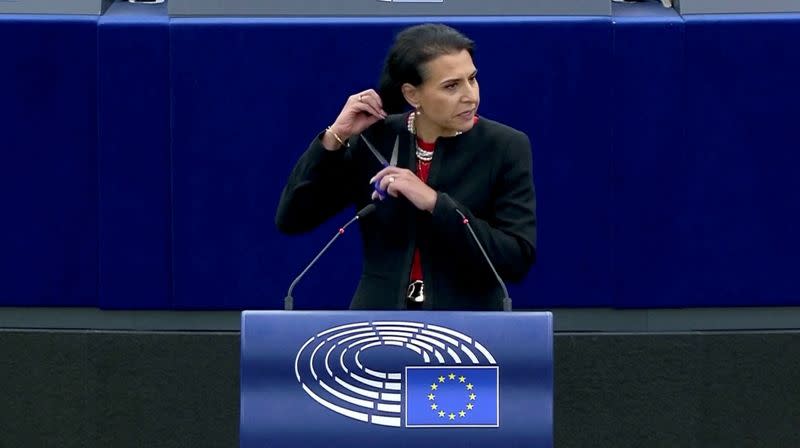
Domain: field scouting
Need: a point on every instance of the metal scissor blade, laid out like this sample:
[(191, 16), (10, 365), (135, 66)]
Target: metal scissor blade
[(375, 152), (394, 151)]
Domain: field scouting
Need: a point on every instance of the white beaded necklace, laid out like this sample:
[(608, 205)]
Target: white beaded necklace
[(422, 154)]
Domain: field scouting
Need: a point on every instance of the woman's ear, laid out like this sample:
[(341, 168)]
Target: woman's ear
[(411, 94)]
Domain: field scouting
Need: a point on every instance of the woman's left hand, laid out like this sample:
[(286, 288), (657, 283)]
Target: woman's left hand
[(402, 182)]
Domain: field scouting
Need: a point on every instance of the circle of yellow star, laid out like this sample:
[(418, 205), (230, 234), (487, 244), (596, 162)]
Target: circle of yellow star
[(443, 413)]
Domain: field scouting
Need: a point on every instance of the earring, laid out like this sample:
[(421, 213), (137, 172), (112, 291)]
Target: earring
[(412, 128)]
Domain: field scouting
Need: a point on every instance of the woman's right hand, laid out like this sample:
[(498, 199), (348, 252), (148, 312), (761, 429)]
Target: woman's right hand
[(360, 111)]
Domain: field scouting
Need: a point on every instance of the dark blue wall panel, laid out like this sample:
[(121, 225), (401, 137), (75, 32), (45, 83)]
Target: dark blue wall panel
[(48, 167), (651, 157), (134, 160), (741, 185)]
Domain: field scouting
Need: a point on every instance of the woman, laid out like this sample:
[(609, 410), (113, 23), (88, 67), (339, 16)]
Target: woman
[(418, 254)]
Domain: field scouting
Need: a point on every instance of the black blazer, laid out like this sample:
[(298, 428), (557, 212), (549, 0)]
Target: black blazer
[(486, 173)]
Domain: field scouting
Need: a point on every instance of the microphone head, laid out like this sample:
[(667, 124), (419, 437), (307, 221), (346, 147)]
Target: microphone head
[(366, 211)]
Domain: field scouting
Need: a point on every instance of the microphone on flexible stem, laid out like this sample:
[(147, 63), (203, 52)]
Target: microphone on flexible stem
[(288, 302), (506, 299)]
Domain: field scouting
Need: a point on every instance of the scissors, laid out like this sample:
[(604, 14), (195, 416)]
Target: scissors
[(382, 161)]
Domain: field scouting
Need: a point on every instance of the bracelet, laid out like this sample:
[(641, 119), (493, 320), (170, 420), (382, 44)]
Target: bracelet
[(338, 139)]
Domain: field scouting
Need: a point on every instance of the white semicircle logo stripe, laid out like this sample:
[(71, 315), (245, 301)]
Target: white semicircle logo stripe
[(348, 389)]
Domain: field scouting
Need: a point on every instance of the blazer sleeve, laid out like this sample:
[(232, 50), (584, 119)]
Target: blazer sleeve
[(319, 186), (509, 235)]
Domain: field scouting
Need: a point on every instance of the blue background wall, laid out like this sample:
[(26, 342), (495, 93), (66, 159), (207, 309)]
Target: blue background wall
[(142, 157), (48, 167)]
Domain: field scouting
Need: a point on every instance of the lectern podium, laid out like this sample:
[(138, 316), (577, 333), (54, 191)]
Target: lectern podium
[(396, 379)]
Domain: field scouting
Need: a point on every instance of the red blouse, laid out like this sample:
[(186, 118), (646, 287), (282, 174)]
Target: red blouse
[(423, 170)]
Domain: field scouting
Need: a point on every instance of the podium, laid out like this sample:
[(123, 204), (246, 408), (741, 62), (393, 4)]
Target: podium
[(396, 379)]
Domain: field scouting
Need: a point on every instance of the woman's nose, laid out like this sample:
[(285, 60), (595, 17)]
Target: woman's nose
[(470, 94)]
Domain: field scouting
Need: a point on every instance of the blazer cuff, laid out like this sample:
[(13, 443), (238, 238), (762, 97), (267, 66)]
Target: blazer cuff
[(319, 152), (444, 211)]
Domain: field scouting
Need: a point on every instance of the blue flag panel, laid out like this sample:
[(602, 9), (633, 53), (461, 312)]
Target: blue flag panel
[(455, 396)]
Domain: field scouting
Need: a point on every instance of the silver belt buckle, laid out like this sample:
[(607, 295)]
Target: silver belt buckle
[(416, 291)]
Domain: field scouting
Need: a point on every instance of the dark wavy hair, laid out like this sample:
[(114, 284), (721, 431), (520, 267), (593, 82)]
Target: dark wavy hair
[(412, 49)]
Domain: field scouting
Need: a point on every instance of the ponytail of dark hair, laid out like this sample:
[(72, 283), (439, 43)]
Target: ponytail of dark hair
[(391, 94), (412, 49)]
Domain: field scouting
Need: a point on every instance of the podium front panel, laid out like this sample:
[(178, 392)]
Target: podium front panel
[(396, 379)]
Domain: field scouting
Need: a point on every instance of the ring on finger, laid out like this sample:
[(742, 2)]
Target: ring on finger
[(391, 179)]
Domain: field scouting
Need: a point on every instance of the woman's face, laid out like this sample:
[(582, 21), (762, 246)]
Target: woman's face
[(448, 96)]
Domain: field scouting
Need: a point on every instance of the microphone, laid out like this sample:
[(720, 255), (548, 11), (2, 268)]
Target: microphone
[(506, 299), (288, 302)]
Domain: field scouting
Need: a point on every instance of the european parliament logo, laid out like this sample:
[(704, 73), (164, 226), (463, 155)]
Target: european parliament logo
[(401, 374)]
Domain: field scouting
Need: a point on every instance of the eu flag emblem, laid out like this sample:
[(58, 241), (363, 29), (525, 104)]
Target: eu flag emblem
[(452, 396)]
